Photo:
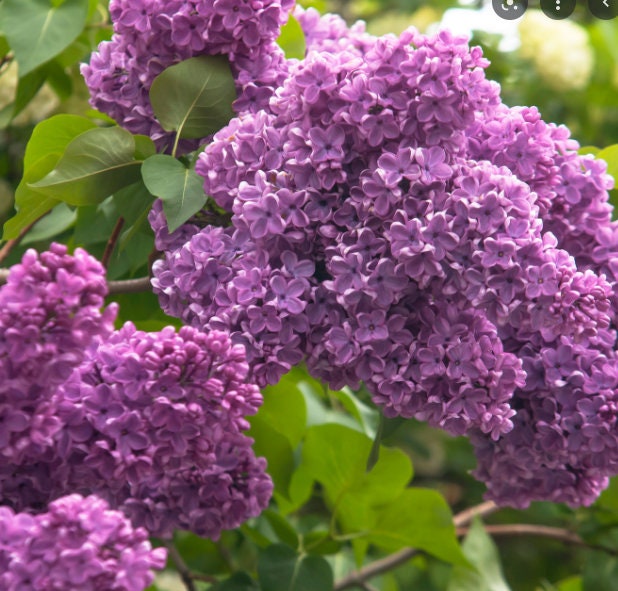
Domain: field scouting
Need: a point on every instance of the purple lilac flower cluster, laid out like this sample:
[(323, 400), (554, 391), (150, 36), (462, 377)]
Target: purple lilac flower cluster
[(394, 224), (79, 543), (154, 423), (151, 35), (151, 422), (50, 310)]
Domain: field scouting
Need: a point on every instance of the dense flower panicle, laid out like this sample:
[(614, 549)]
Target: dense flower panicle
[(79, 543), (153, 423), (50, 311), (151, 35), (393, 223)]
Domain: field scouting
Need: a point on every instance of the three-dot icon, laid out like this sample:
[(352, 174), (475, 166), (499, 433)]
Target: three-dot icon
[(558, 9)]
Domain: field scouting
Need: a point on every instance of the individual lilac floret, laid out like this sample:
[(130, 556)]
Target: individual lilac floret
[(153, 423), (79, 543), (151, 35), (50, 311)]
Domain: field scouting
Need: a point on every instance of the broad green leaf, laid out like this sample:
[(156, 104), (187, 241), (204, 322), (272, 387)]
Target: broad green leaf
[(133, 203), (282, 528), (38, 31), (570, 584), (366, 416), (292, 39), (418, 518), (59, 219), (95, 165), (47, 143), (610, 155), (336, 456), (280, 568), (285, 409), (600, 572), (52, 136), (588, 150), (277, 450), (180, 188), (194, 98), (27, 87), (486, 574), (239, 581)]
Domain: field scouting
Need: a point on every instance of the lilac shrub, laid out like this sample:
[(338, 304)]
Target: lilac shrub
[(79, 543), (394, 224), (151, 35)]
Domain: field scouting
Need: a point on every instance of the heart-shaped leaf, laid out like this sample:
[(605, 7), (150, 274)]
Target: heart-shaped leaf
[(96, 164), (180, 188), (194, 98), (37, 31)]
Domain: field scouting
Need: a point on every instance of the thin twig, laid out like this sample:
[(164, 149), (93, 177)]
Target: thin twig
[(6, 250), (543, 531), (113, 287), (111, 243), (530, 529), (388, 563), (181, 566), (129, 285)]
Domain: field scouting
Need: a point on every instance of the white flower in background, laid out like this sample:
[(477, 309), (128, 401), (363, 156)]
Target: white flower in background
[(40, 107), (559, 49)]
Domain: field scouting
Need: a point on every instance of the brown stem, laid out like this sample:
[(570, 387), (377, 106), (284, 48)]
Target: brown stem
[(111, 243), (356, 579), (181, 566), (187, 575), (129, 285), (543, 531), (6, 250), (530, 529), (122, 286)]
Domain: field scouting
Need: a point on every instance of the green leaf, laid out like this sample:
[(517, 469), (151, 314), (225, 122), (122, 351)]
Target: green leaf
[(95, 165), (292, 39), (280, 568), (239, 581), (282, 528), (27, 87), (194, 98), (610, 155), (418, 518), (52, 136), (336, 456), (285, 409), (480, 550), (588, 150), (47, 143), (570, 584), (600, 572), (367, 417), (38, 31), (59, 219), (180, 188), (277, 450)]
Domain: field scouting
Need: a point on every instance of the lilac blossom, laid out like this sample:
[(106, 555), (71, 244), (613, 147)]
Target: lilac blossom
[(459, 256), (78, 543)]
